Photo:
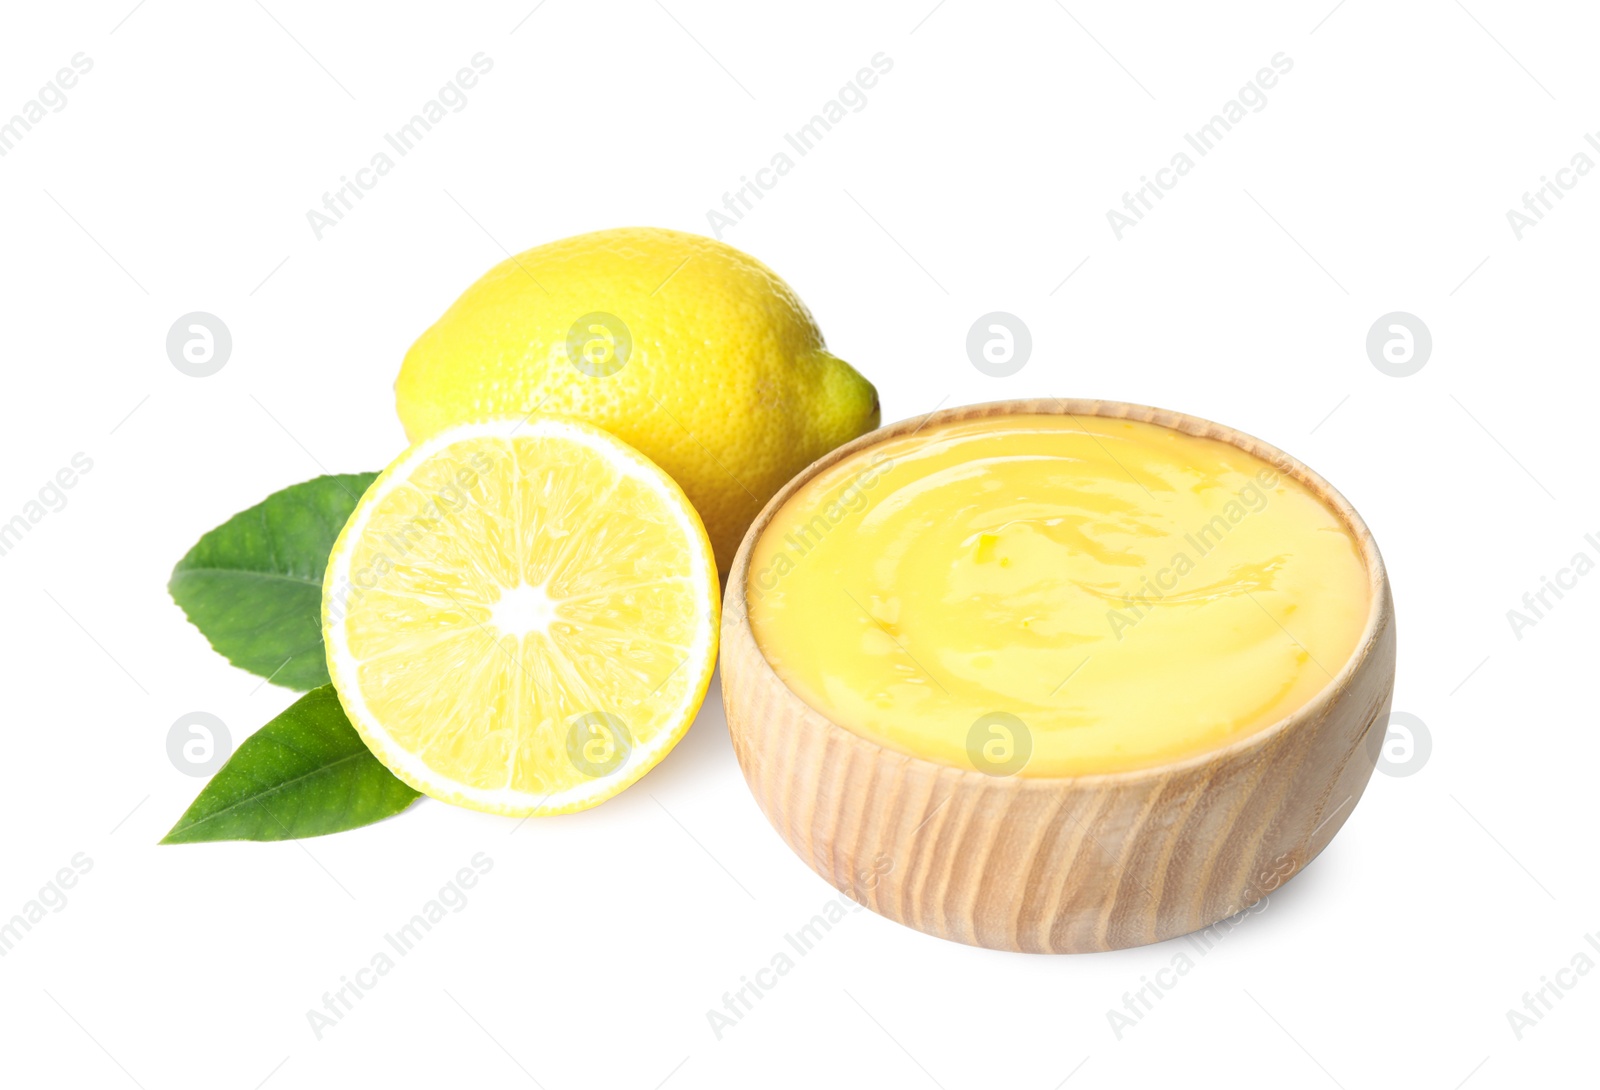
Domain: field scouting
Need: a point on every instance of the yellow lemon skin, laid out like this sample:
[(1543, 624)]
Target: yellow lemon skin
[(690, 351)]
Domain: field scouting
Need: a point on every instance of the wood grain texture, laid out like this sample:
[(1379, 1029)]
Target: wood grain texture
[(1069, 864)]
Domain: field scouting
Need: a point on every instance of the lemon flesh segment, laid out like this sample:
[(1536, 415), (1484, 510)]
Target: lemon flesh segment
[(521, 616)]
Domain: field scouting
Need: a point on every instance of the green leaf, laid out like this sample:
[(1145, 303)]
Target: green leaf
[(306, 773), (253, 586)]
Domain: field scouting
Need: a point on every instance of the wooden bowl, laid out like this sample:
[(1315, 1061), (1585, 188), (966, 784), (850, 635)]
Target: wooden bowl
[(1060, 864)]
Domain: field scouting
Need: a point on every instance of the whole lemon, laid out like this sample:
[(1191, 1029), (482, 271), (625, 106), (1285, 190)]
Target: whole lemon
[(690, 351)]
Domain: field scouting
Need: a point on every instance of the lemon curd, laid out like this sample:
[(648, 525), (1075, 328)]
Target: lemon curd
[(1056, 595)]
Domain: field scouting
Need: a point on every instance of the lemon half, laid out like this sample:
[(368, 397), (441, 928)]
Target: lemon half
[(520, 616)]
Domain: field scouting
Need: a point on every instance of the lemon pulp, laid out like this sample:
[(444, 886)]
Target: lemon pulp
[(1056, 595), (520, 616)]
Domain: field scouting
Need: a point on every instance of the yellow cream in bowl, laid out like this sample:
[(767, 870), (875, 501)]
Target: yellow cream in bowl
[(1055, 595)]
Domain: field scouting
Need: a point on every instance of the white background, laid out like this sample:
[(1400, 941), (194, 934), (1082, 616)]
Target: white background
[(976, 179)]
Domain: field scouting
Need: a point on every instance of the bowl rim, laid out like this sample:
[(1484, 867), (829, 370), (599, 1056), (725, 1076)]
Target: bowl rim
[(1380, 608)]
